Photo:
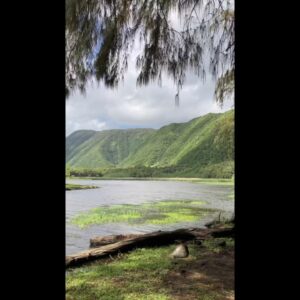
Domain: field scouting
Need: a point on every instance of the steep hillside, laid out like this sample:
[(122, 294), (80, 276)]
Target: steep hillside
[(74, 141), (172, 144), (105, 148), (203, 147)]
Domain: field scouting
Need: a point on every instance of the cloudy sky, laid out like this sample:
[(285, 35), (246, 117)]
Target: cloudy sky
[(130, 106), (136, 107)]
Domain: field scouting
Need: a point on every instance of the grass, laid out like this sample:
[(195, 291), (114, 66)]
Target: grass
[(134, 277), (158, 213), (212, 181), (213, 244), (70, 187), (150, 273)]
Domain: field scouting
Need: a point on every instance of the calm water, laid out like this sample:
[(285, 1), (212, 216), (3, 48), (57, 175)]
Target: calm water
[(135, 192)]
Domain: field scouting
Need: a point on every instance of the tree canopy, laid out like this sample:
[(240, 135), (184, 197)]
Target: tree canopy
[(100, 35)]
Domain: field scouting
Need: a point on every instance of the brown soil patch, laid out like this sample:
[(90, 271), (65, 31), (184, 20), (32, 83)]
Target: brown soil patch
[(210, 276)]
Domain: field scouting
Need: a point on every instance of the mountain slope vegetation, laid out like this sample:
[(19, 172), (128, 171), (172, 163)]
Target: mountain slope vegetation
[(202, 147), (104, 148)]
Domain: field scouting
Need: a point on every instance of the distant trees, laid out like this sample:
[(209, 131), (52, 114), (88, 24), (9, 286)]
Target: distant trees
[(141, 171), (85, 173), (219, 170)]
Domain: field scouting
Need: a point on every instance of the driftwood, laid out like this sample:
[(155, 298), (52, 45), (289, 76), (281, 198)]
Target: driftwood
[(110, 239), (158, 238)]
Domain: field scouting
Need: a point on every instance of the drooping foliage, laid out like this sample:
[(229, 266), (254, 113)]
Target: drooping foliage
[(100, 36)]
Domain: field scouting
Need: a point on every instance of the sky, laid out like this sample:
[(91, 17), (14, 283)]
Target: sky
[(150, 106), (140, 107)]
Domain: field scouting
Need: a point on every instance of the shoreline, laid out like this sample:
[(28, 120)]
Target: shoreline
[(151, 272), (213, 181)]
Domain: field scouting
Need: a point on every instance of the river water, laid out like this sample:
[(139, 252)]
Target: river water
[(135, 192)]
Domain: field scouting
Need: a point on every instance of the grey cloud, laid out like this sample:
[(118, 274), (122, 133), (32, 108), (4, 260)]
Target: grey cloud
[(129, 106)]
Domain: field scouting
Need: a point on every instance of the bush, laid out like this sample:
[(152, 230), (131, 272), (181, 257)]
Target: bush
[(221, 170), (86, 173)]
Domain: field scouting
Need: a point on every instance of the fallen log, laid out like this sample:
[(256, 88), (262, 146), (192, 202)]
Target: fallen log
[(158, 238), (224, 233), (110, 239)]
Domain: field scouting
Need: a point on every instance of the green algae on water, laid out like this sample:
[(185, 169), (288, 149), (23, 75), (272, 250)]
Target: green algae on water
[(156, 213)]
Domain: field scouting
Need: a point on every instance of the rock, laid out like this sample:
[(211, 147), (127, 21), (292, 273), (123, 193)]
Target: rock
[(181, 251)]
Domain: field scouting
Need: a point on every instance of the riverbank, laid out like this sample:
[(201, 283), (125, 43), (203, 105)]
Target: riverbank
[(132, 206), (213, 181), (150, 273), (70, 187)]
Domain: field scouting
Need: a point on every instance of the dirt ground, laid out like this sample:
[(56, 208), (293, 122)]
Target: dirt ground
[(212, 273), (150, 274)]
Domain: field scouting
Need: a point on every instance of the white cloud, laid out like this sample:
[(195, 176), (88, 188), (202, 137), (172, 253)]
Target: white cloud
[(129, 107), (89, 124)]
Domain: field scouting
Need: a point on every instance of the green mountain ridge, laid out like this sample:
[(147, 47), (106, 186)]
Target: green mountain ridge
[(203, 147), (105, 148)]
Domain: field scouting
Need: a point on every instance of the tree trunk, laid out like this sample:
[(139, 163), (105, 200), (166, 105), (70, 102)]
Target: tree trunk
[(158, 238)]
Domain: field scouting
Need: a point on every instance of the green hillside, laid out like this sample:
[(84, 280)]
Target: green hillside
[(202, 147), (105, 148), (74, 140)]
